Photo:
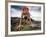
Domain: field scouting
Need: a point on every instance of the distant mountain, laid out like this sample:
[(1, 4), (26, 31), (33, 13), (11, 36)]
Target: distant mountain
[(17, 19)]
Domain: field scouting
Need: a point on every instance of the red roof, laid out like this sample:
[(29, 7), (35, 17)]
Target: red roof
[(25, 8)]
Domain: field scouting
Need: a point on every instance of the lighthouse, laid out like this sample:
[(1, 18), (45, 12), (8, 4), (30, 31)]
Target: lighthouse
[(25, 21), (25, 17)]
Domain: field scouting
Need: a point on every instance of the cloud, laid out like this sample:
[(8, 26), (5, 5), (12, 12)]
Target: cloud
[(15, 13), (34, 14)]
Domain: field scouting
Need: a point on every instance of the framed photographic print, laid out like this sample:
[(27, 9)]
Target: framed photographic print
[(25, 18)]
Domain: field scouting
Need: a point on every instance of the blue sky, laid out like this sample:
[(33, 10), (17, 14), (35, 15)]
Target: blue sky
[(35, 12)]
